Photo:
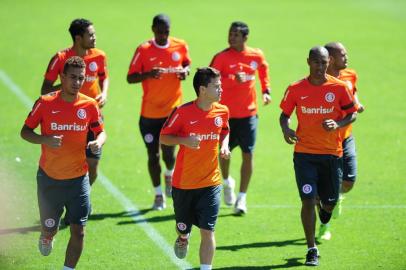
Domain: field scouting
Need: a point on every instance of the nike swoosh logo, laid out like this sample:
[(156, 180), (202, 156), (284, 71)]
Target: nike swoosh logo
[(330, 200), (210, 224), (304, 97), (233, 66), (152, 58), (193, 122), (55, 112)]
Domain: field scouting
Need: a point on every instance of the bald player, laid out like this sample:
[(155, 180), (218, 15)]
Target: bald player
[(323, 105)]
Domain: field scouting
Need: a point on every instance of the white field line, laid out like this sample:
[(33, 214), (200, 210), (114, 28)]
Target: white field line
[(107, 184)]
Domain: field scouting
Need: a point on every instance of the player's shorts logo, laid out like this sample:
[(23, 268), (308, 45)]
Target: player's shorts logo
[(181, 226), (81, 113), (148, 138), (93, 66), (50, 222), (307, 189), (254, 65), (175, 56), (330, 97), (218, 121)]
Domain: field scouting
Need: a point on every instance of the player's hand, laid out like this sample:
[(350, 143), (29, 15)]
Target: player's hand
[(290, 136), (241, 77), (225, 152), (156, 72), (94, 146), (182, 73), (266, 98), (361, 108), (330, 124), (192, 142), (101, 99), (54, 141)]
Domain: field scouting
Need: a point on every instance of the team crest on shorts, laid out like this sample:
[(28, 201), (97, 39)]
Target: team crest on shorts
[(50, 222), (254, 65), (148, 138), (81, 113), (93, 66), (307, 189), (330, 97), (175, 56), (181, 226), (218, 121)]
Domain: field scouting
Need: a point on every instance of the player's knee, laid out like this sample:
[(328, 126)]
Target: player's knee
[(153, 158), (347, 186), (78, 233)]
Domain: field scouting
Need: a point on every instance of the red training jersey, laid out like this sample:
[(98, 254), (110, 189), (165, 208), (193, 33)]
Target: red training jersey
[(96, 69), (160, 96), (241, 98), (72, 120), (313, 105), (197, 168), (350, 77)]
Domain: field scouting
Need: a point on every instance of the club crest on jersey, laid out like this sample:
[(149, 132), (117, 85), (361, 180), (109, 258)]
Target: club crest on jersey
[(181, 226), (50, 222), (330, 97), (93, 66), (218, 121), (254, 65), (175, 56), (307, 189), (81, 113)]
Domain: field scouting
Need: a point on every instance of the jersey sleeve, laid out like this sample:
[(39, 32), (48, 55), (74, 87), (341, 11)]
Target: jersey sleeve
[(216, 62), (186, 57), (347, 101), (103, 72), (136, 62), (288, 102), (263, 73), (54, 68), (173, 124), (225, 129), (35, 116), (96, 120)]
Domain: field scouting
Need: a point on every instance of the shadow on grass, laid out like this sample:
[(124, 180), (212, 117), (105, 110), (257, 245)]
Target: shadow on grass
[(293, 242), (22, 230), (292, 262)]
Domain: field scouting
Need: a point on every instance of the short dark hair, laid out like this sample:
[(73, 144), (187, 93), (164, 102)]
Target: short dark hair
[(317, 51), (203, 77), (73, 62), (240, 26), (78, 27), (161, 19), (333, 47)]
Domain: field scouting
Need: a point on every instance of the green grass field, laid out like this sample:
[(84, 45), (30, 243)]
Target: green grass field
[(122, 233)]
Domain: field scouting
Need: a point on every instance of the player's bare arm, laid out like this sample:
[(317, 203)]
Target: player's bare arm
[(97, 144), (266, 96), (225, 149), (190, 141), (288, 133), (330, 124), (183, 73), (31, 136), (48, 87), (102, 97), (154, 73)]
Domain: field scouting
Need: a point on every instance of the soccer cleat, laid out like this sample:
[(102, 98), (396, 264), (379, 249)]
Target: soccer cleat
[(324, 232), (339, 207), (168, 186), (45, 245), (312, 257), (240, 207), (181, 247), (229, 196), (159, 203)]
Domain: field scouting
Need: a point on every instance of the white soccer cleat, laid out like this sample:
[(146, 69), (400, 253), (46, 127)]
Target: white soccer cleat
[(181, 247), (229, 195), (159, 203), (45, 245), (240, 207)]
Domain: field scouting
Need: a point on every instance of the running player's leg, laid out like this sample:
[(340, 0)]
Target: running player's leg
[(183, 208)]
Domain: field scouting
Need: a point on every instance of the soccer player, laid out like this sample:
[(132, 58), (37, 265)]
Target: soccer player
[(338, 68), (323, 105), (199, 127), (238, 65), (65, 117), (160, 64), (96, 81)]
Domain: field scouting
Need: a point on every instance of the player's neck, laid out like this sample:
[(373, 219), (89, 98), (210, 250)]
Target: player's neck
[(65, 96), (204, 105), (240, 48), (317, 80), (333, 72), (79, 50)]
